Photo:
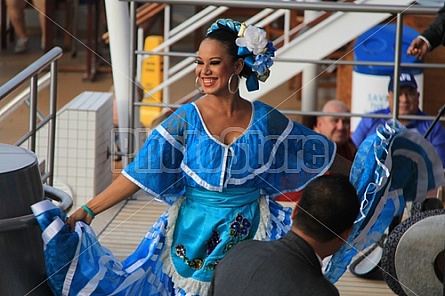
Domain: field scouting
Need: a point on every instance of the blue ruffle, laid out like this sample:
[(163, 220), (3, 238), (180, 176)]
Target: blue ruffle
[(77, 264), (391, 167)]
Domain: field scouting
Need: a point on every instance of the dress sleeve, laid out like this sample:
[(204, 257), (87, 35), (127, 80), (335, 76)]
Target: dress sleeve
[(298, 154), (436, 30), (156, 169)]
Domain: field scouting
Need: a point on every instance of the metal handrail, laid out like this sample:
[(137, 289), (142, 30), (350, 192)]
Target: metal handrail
[(358, 6), (23, 97), (324, 6), (300, 5), (297, 5), (31, 74), (318, 113)]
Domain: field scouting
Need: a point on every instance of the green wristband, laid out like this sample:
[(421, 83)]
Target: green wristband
[(88, 210)]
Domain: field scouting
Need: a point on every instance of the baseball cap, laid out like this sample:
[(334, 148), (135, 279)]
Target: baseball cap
[(406, 79)]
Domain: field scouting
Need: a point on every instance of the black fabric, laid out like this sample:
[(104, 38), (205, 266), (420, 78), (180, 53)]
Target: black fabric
[(389, 250), (287, 266), (373, 269), (435, 33)]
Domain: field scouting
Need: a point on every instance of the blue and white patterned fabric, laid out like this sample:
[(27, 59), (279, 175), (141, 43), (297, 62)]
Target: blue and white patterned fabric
[(219, 195), (391, 167), (181, 152)]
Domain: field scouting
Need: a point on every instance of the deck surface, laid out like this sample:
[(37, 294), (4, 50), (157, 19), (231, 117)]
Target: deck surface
[(128, 228)]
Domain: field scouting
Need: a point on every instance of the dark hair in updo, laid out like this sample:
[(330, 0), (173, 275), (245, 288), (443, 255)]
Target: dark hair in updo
[(227, 38)]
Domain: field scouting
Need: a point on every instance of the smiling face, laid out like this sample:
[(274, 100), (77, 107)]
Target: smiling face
[(408, 100), (214, 66), (335, 128)]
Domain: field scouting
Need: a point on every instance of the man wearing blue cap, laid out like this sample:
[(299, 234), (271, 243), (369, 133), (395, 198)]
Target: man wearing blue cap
[(408, 105)]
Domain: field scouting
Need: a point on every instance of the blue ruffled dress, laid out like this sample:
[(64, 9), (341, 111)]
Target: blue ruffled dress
[(393, 166), (219, 195)]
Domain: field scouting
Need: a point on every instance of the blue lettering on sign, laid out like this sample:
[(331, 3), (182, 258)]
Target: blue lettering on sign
[(376, 101)]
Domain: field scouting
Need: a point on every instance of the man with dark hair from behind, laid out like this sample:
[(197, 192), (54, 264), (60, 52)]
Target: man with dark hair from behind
[(322, 222)]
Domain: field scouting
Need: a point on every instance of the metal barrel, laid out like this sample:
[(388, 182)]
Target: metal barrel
[(22, 265)]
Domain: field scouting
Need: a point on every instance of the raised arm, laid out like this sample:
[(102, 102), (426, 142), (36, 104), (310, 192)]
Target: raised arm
[(436, 30), (430, 38), (418, 48)]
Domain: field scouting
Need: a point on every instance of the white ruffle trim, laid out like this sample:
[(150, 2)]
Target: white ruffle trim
[(189, 285), (264, 225)]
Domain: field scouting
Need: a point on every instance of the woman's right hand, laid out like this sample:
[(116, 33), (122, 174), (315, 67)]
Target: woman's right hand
[(119, 190), (79, 215)]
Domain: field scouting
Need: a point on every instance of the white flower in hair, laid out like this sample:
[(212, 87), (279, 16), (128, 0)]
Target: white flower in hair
[(254, 38)]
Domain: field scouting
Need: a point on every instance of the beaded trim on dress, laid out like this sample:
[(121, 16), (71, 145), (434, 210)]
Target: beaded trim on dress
[(189, 285)]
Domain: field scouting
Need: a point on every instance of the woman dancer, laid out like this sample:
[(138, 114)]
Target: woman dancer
[(218, 162)]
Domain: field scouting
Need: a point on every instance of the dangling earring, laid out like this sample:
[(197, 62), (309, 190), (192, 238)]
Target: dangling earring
[(230, 82), (198, 86)]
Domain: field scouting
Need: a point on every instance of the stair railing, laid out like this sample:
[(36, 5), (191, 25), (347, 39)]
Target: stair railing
[(31, 74)]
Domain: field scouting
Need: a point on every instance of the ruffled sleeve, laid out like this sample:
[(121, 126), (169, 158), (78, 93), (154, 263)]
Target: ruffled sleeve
[(279, 155), (300, 156), (157, 167)]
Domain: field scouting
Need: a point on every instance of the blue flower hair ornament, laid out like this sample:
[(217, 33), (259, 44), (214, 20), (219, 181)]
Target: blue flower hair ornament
[(225, 24), (253, 47)]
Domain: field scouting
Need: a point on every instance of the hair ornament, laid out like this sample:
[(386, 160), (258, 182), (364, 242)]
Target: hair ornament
[(224, 24), (257, 52), (253, 48)]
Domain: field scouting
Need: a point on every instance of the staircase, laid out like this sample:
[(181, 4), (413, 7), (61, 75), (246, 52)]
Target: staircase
[(319, 41)]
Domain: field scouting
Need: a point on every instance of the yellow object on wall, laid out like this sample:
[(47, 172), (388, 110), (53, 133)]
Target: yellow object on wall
[(151, 76)]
